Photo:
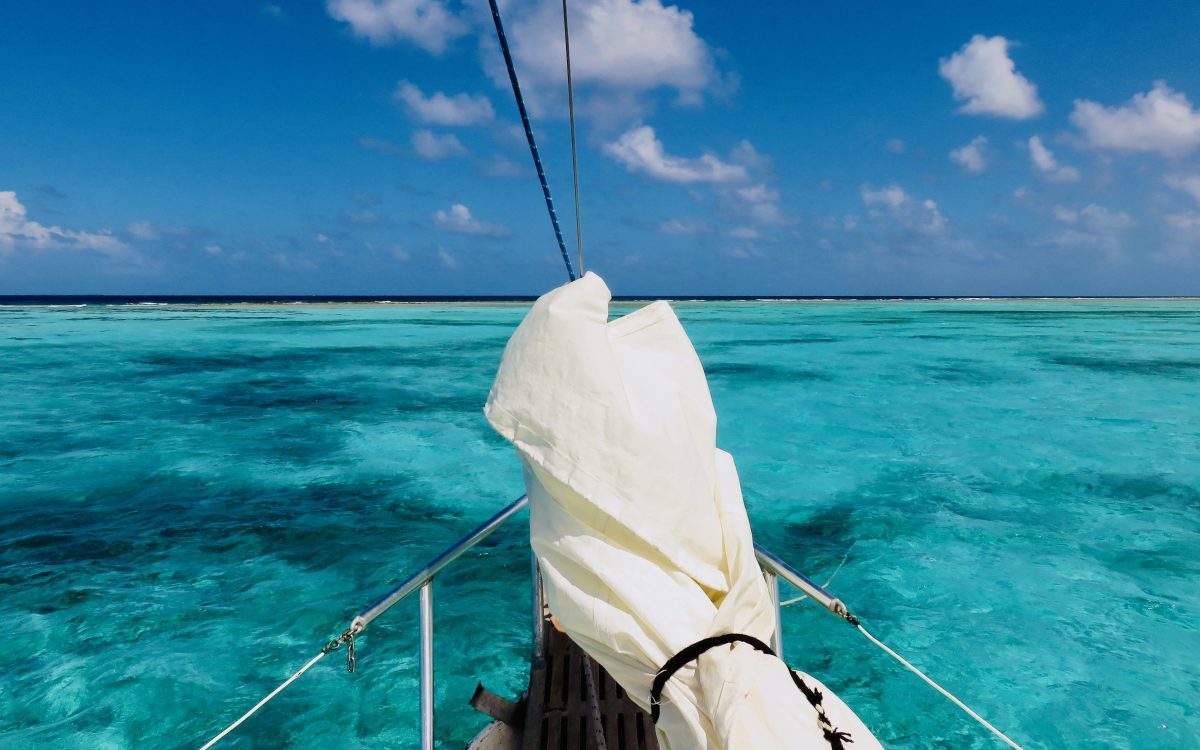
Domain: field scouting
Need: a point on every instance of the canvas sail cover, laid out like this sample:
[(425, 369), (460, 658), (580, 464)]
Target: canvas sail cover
[(638, 523)]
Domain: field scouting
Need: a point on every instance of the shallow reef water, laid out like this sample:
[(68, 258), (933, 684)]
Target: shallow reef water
[(193, 499)]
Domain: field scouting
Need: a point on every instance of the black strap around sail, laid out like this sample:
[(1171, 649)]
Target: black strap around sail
[(835, 738)]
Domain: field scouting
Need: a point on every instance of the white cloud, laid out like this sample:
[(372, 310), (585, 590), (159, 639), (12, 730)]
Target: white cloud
[(639, 150), (501, 166), (1093, 227), (1182, 239), (1100, 219), (364, 218), (761, 203), (431, 146), (460, 221), (142, 230), (1066, 215), (892, 196), (448, 260), (895, 145), (628, 45), (428, 24), (1044, 161), (1189, 221), (1161, 120), (918, 215), (749, 157), (16, 229), (970, 156), (442, 109), (682, 226), (1095, 218), (744, 233), (1189, 184), (985, 76), (213, 249)]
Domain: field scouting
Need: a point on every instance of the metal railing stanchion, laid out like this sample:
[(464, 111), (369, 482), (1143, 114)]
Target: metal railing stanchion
[(427, 724)]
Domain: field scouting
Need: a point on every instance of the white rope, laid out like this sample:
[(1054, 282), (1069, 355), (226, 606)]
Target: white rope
[(938, 688), (263, 702)]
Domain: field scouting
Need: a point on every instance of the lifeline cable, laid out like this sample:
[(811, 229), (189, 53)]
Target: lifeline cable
[(533, 149), (264, 701), (945, 693)]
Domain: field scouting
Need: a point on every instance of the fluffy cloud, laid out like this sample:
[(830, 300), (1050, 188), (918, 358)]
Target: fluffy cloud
[(682, 226), (147, 230), (500, 166), (17, 229), (985, 76), (1095, 218), (970, 156), (744, 233), (1181, 239), (431, 146), (623, 49), (1047, 165), (1093, 227), (429, 24), (460, 221), (892, 196), (639, 150), (142, 230), (917, 215), (441, 109), (760, 203), (1189, 184), (1188, 221), (1161, 120), (627, 45)]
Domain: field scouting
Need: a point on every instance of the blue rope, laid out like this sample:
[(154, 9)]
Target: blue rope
[(533, 149)]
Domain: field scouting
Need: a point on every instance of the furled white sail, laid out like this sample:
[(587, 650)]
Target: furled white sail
[(638, 522)]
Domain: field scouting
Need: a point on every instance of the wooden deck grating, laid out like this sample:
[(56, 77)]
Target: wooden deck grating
[(559, 714)]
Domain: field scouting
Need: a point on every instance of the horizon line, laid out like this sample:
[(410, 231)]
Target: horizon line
[(34, 300)]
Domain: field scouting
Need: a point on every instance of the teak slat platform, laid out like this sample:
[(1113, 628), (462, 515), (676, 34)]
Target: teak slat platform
[(559, 712)]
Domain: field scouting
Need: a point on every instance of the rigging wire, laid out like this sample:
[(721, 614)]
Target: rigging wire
[(574, 154), (945, 693), (533, 149), (264, 701)]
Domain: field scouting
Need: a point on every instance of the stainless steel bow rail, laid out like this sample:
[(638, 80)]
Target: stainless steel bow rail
[(773, 567)]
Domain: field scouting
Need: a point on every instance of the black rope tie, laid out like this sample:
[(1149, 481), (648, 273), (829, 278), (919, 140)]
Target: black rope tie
[(837, 739), (834, 737)]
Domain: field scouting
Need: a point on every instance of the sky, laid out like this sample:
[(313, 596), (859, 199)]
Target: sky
[(374, 147)]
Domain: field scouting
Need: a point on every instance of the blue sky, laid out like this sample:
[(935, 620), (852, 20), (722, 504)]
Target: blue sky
[(373, 147)]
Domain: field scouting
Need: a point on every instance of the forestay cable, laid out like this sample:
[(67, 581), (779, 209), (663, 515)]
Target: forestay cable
[(533, 149), (574, 153)]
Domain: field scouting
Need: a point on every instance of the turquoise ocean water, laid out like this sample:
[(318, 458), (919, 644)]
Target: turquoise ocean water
[(193, 499)]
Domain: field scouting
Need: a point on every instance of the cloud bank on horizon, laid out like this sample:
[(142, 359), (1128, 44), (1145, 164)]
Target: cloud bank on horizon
[(374, 148)]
